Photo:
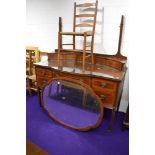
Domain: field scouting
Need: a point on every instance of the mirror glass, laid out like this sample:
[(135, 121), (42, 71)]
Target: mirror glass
[(72, 103)]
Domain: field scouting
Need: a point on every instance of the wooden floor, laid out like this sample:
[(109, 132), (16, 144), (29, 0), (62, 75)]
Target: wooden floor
[(32, 149)]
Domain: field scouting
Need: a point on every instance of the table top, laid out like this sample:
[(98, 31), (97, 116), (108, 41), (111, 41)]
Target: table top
[(71, 67)]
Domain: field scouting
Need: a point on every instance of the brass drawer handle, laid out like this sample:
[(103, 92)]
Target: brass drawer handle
[(103, 85), (102, 97)]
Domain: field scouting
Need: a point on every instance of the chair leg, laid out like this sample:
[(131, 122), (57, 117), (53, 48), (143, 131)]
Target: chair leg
[(73, 42), (29, 86), (84, 51), (92, 57), (92, 47), (83, 61), (59, 46)]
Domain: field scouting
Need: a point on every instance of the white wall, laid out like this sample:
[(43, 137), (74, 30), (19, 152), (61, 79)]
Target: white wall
[(42, 27)]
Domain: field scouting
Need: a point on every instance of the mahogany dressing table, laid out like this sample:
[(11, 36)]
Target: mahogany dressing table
[(106, 77)]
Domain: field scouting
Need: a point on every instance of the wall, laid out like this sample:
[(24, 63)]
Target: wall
[(42, 27)]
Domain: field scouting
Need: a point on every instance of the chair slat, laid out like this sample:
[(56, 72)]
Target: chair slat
[(88, 10), (76, 33), (91, 21), (88, 55), (67, 44), (85, 5), (85, 15), (84, 25)]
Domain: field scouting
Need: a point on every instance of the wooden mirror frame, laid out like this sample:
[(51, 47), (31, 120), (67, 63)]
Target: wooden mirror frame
[(92, 93)]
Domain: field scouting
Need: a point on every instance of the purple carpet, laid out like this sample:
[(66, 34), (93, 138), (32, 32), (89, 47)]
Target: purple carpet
[(59, 140), (71, 110)]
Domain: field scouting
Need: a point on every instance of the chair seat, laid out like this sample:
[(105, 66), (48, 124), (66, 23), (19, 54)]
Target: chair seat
[(76, 33)]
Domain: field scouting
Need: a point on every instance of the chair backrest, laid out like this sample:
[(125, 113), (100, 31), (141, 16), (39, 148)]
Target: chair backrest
[(85, 16), (32, 56), (34, 52), (29, 63)]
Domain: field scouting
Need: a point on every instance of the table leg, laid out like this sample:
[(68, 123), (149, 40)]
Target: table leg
[(112, 119)]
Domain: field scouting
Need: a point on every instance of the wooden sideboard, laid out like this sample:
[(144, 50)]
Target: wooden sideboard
[(106, 77)]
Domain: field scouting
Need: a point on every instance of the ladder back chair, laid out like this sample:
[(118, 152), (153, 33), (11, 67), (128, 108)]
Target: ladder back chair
[(87, 20)]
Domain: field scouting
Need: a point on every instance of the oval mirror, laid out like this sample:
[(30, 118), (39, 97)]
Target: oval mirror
[(72, 103)]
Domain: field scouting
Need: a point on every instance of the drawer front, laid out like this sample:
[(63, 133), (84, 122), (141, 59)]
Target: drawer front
[(41, 81), (108, 99), (102, 85), (43, 72), (83, 79)]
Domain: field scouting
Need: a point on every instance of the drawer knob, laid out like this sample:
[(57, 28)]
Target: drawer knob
[(102, 97), (103, 85)]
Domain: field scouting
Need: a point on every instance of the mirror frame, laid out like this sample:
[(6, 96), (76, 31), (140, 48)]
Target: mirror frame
[(92, 93)]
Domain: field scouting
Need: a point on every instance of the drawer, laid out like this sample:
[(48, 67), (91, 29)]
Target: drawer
[(108, 99), (43, 72), (41, 81), (83, 79), (101, 84)]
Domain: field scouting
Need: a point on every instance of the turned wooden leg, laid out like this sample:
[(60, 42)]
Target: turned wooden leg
[(92, 57), (59, 47), (83, 63), (84, 52), (119, 101), (29, 86), (112, 119)]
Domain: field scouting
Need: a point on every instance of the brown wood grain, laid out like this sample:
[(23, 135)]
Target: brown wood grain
[(86, 5)]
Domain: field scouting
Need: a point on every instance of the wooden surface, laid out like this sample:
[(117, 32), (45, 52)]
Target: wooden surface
[(70, 67), (32, 149), (103, 77)]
